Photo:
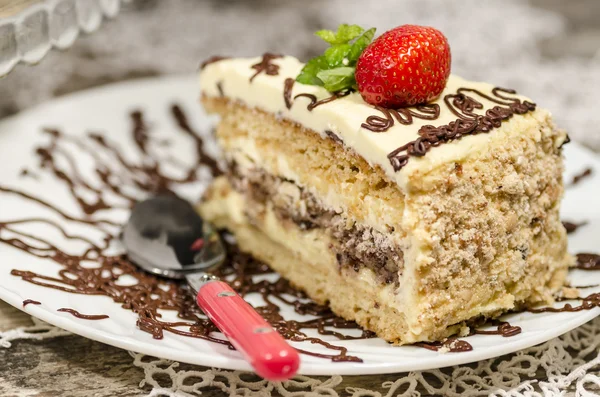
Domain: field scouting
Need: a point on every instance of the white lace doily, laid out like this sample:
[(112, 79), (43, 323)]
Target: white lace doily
[(563, 366)]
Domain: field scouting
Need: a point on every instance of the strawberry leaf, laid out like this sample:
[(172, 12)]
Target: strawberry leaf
[(334, 70)]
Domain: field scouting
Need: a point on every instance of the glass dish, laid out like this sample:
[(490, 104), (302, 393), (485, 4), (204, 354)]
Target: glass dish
[(29, 29)]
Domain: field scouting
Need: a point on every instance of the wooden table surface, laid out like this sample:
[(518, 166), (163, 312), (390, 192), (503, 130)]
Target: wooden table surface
[(76, 366), (72, 365)]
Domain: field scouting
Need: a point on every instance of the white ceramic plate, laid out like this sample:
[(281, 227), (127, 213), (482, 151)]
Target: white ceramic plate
[(105, 109)]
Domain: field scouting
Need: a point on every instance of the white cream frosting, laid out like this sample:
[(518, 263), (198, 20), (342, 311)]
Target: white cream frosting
[(344, 116)]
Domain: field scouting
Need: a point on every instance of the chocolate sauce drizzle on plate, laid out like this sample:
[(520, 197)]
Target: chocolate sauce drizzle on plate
[(452, 345), (572, 227), (25, 172), (455, 345), (117, 183), (585, 261), (467, 123), (587, 303), (75, 313), (121, 181), (30, 302), (581, 176), (503, 328), (266, 65), (588, 261)]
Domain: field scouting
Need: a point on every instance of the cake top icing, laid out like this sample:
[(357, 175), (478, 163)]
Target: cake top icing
[(400, 141)]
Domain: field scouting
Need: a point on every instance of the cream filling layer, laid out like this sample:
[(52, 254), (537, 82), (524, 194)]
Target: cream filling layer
[(310, 245), (344, 116), (247, 156)]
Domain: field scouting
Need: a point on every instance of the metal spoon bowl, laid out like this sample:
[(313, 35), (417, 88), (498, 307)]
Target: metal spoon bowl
[(165, 236)]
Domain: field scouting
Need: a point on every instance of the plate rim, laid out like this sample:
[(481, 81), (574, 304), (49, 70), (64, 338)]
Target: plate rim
[(428, 361)]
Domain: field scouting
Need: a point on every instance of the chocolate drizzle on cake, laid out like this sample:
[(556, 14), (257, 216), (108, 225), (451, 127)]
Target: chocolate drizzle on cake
[(30, 302), (75, 313), (288, 85), (220, 89), (266, 65), (314, 102), (404, 116), (334, 136), (468, 122), (213, 59)]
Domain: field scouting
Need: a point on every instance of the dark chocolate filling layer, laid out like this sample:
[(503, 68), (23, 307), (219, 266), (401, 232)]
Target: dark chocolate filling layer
[(356, 246)]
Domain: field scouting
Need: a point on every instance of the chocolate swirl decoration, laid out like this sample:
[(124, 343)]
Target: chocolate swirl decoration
[(463, 105), (403, 115), (288, 85), (314, 102), (266, 65), (468, 122)]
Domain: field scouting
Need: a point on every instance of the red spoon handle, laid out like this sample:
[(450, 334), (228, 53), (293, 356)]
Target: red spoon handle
[(264, 348)]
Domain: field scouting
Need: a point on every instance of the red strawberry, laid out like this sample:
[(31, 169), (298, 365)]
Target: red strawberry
[(405, 66)]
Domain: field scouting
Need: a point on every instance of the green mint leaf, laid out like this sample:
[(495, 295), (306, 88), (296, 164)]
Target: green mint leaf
[(336, 54), (360, 44), (337, 79), (344, 34), (327, 35), (308, 74), (335, 69)]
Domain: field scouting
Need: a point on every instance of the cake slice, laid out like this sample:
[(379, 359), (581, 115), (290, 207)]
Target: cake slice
[(411, 221)]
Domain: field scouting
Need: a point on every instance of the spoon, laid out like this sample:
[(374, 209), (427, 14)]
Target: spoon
[(167, 237)]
